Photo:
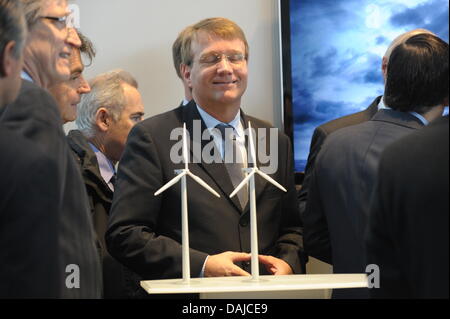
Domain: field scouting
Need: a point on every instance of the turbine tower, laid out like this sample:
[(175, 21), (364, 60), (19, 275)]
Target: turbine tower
[(252, 194), (182, 173)]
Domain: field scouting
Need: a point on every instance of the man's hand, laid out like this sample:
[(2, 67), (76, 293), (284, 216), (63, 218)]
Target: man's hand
[(223, 264), (275, 265)]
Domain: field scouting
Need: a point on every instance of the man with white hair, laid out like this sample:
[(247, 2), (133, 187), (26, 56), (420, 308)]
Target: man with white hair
[(144, 231), (105, 117), (35, 117)]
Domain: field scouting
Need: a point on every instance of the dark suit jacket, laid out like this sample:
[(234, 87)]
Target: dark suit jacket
[(29, 257), (35, 117), (145, 231), (341, 185), (408, 222), (320, 134)]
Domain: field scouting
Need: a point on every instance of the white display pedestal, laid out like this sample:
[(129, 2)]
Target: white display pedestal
[(273, 287)]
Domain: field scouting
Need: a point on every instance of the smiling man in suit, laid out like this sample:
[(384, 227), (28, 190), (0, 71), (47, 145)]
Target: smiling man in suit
[(145, 231)]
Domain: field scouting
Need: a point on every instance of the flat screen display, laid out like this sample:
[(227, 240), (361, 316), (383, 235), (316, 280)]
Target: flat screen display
[(332, 52)]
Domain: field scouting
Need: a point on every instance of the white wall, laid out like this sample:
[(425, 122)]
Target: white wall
[(137, 35)]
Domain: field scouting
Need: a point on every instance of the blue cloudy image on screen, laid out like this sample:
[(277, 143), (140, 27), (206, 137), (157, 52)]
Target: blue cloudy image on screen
[(337, 47)]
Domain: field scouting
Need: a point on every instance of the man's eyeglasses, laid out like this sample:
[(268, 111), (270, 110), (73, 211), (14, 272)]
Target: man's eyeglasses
[(61, 22), (214, 58)]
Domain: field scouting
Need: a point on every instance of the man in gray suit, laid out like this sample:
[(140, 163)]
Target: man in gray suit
[(144, 231), (344, 176)]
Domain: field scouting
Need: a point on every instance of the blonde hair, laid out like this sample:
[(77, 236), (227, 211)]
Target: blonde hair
[(219, 27)]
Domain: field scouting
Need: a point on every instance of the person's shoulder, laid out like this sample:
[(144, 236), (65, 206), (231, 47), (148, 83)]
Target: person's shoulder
[(162, 119), (76, 137), (158, 125), (347, 140), (13, 144), (349, 132), (436, 127), (431, 138), (36, 102), (34, 92), (78, 143), (20, 153), (342, 122)]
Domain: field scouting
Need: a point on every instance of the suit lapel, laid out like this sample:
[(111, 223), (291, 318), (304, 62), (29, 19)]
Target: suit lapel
[(216, 170)]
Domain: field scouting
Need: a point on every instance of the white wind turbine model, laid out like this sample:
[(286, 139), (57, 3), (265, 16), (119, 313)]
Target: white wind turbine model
[(240, 287), (182, 173), (252, 194)]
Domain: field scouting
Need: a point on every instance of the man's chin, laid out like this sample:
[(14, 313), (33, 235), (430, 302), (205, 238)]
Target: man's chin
[(229, 97)]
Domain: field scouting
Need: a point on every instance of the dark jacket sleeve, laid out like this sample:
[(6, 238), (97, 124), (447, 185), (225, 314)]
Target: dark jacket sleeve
[(316, 143), (132, 235)]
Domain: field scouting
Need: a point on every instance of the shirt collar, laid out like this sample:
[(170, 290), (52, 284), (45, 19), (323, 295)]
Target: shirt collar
[(24, 75), (212, 122), (106, 167), (381, 105), (420, 117)]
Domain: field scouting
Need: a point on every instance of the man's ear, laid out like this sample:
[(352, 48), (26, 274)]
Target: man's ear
[(7, 59), (102, 119), (384, 64), (185, 71)]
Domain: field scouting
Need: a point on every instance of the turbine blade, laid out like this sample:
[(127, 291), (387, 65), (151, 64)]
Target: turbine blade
[(185, 152), (201, 182), (170, 183), (241, 184), (271, 180)]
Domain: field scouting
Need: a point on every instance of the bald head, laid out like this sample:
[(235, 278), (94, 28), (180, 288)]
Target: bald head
[(402, 38)]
